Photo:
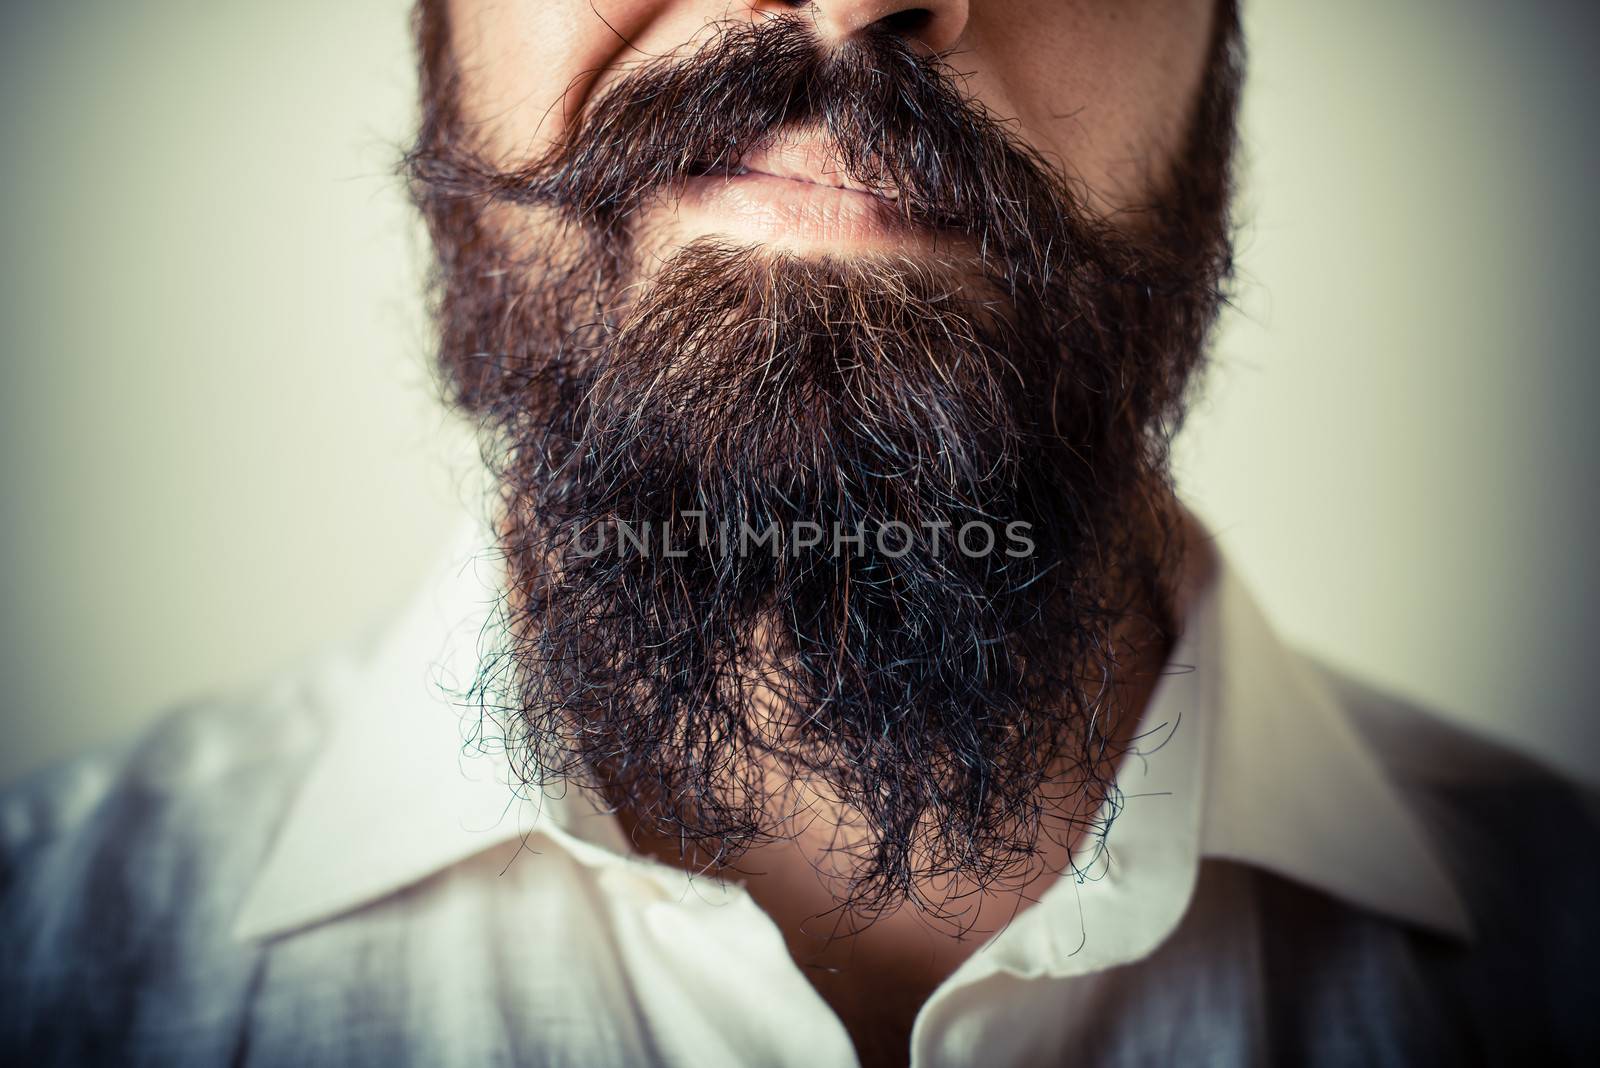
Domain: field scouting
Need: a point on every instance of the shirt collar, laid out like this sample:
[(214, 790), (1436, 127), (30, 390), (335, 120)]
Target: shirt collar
[(1248, 756), (1297, 790)]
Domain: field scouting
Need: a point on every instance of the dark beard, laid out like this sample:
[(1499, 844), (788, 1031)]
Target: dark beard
[(955, 704)]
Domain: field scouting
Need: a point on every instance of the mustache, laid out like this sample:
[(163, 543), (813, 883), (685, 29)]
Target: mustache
[(895, 119)]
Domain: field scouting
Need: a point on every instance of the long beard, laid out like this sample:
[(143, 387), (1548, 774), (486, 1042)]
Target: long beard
[(884, 527)]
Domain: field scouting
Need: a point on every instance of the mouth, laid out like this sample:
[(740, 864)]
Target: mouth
[(793, 192)]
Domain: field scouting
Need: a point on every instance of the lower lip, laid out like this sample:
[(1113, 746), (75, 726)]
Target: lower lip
[(788, 211)]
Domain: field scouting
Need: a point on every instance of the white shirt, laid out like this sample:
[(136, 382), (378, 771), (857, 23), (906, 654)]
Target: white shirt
[(326, 872)]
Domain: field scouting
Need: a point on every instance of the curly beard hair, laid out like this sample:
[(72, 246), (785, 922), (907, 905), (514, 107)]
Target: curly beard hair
[(955, 705)]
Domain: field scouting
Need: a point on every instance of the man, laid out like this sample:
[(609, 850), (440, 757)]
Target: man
[(843, 682)]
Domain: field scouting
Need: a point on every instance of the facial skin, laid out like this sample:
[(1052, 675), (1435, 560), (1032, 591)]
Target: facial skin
[(854, 266)]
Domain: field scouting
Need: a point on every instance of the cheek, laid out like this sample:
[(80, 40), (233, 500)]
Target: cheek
[(520, 62), (1103, 89), (529, 66)]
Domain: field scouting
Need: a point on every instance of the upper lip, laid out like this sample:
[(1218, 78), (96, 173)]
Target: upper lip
[(804, 158)]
